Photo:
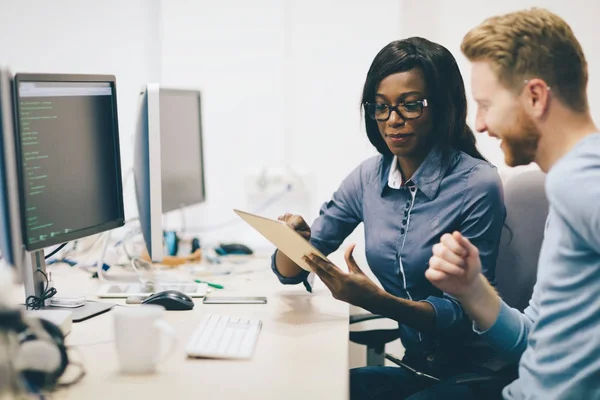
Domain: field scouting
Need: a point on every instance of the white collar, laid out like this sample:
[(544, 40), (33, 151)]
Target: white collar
[(395, 176)]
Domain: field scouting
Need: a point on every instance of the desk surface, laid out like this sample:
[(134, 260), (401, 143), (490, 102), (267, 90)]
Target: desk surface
[(302, 350)]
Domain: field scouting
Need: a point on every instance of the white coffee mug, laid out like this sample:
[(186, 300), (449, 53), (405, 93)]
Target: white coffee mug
[(142, 337)]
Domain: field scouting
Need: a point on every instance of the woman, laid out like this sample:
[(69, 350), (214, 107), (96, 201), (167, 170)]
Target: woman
[(429, 179)]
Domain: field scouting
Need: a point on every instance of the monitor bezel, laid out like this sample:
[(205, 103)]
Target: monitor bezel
[(147, 171), (80, 233), (11, 211)]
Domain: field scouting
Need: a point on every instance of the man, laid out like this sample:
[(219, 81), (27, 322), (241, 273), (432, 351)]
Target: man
[(529, 78)]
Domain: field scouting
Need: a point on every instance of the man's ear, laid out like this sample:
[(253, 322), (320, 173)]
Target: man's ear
[(537, 97)]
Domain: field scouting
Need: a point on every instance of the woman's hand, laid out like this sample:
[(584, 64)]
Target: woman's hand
[(297, 223), (354, 287)]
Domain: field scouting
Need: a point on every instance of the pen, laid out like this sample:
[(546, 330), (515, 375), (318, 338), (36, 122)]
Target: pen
[(214, 285)]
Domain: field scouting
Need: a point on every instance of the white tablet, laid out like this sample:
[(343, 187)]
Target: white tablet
[(286, 239)]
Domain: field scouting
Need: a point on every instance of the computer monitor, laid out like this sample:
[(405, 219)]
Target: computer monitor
[(168, 159), (68, 159), (147, 171), (11, 243), (182, 161)]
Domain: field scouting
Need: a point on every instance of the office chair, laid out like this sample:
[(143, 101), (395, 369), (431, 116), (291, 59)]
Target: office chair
[(521, 241), (375, 340), (516, 266), (520, 244)]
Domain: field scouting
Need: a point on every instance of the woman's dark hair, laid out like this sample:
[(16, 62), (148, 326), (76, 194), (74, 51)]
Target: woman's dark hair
[(445, 86)]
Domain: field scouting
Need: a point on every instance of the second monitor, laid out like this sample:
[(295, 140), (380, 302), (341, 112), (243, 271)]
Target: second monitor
[(168, 166)]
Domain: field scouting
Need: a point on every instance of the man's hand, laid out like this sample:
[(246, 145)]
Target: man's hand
[(353, 287), (455, 265), (455, 268)]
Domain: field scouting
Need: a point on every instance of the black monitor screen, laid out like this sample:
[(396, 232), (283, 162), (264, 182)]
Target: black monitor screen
[(70, 176)]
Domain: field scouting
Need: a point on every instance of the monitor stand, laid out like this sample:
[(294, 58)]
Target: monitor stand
[(35, 282)]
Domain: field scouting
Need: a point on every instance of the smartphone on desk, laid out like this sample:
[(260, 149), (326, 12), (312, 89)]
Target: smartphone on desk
[(235, 300)]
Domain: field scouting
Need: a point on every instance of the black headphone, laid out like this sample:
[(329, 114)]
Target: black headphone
[(42, 355)]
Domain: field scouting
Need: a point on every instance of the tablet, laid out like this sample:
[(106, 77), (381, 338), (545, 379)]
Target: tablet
[(286, 239), (235, 300)]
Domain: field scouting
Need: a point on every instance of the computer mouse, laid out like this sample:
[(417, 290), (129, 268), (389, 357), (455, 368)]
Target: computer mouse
[(233, 248), (171, 300)]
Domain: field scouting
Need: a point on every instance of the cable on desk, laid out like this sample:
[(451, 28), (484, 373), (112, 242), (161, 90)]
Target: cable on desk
[(77, 345), (100, 263), (183, 222), (79, 364), (127, 237), (77, 379), (59, 248), (67, 261), (34, 302), (65, 255)]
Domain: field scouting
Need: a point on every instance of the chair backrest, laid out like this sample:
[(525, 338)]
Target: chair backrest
[(527, 209)]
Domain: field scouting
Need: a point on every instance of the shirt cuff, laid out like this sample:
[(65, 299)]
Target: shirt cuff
[(294, 280), (447, 311)]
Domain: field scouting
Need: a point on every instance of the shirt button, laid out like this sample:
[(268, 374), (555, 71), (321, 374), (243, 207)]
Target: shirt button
[(412, 189), (402, 231), (408, 205), (406, 213), (430, 358), (403, 222)]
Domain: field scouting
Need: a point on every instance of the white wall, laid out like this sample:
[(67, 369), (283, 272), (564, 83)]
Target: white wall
[(285, 65), (281, 80), (281, 86), (450, 21), (233, 52), (72, 36)]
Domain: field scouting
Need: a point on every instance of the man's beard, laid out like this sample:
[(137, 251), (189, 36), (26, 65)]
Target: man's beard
[(520, 142)]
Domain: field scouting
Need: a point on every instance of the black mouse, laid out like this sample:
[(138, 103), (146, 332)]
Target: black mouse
[(171, 300), (233, 248)]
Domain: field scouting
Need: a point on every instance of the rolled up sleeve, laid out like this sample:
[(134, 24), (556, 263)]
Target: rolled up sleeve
[(293, 280), (509, 333), (448, 311), (337, 219)]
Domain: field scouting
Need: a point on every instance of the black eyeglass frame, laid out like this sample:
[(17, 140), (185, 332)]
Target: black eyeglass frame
[(423, 104)]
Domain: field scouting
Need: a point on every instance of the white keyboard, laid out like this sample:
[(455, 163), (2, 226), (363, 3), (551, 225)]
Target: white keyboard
[(224, 336)]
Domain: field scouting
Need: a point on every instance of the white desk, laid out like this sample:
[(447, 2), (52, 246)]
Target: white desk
[(302, 351)]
